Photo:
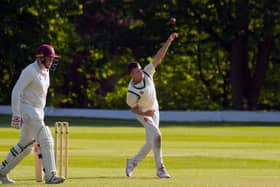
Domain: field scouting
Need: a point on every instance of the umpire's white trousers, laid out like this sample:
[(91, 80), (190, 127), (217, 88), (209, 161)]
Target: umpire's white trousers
[(153, 140)]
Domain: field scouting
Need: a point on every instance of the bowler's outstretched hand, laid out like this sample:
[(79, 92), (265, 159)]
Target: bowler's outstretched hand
[(173, 36)]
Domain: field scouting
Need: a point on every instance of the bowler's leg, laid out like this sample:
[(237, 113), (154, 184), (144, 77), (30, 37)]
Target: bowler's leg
[(157, 149), (142, 153)]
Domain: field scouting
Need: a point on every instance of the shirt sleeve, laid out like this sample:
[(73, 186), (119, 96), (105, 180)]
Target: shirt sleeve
[(25, 78), (150, 69), (131, 99)]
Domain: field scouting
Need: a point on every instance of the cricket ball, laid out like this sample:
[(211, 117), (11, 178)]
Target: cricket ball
[(172, 21)]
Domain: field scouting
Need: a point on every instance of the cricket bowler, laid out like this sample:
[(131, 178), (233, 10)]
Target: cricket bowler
[(142, 99)]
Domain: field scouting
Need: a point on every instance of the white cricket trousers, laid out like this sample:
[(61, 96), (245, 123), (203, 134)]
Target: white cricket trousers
[(153, 140), (28, 133), (33, 121), (30, 130)]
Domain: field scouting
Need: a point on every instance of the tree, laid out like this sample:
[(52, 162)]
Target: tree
[(246, 31), (261, 29), (226, 56), (24, 26)]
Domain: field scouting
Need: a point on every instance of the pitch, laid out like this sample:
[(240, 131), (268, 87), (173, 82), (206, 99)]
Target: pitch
[(196, 154)]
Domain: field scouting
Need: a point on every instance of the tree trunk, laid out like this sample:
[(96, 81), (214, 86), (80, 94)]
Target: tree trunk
[(259, 73), (262, 59), (239, 71)]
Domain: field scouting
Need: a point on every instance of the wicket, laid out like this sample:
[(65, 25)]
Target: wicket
[(61, 146)]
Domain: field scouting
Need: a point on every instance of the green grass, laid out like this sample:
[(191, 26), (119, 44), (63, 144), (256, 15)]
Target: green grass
[(195, 154)]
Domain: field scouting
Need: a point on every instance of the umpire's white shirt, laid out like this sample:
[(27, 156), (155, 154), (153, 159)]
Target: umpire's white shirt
[(143, 94), (30, 92)]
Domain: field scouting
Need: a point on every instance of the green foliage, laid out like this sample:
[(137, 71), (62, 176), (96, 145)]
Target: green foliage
[(25, 25), (96, 39)]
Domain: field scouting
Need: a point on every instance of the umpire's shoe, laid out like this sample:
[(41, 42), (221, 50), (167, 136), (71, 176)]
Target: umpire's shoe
[(55, 180), (6, 180)]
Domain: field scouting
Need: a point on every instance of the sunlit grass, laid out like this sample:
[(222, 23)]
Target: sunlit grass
[(195, 155)]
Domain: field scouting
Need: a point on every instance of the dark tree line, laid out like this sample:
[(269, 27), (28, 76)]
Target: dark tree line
[(227, 55)]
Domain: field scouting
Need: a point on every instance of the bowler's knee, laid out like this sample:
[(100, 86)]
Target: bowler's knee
[(157, 140)]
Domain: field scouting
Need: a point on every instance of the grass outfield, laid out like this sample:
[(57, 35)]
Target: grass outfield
[(195, 154)]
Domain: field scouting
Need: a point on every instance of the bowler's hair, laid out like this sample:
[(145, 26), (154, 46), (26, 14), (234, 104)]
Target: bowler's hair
[(131, 66)]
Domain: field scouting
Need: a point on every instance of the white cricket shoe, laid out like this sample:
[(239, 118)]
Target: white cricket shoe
[(55, 180), (162, 173), (130, 165), (6, 180)]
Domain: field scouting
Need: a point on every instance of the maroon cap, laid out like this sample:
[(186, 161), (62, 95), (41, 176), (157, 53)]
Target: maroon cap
[(45, 50)]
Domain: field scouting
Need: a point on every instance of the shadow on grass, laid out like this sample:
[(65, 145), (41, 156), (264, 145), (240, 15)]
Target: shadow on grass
[(113, 177), (27, 181), (5, 122)]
